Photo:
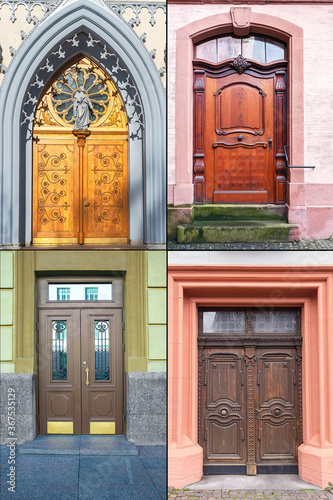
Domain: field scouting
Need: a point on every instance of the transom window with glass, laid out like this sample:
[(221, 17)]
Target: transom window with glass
[(249, 321), (80, 291), (257, 48)]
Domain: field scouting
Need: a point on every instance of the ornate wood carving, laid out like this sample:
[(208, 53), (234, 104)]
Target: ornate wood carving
[(241, 117), (281, 140), (251, 467), (240, 64), (199, 156)]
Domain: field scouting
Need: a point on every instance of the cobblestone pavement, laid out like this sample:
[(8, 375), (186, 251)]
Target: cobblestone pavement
[(250, 494), (292, 245)]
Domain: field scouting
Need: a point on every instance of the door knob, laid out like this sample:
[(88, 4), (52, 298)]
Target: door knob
[(87, 372), (240, 137), (270, 142)]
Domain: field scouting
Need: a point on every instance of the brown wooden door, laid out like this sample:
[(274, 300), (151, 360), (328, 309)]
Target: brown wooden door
[(250, 415), (223, 426), (278, 427), (80, 371), (250, 406), (102, 392), (239, 133), (240, 127)]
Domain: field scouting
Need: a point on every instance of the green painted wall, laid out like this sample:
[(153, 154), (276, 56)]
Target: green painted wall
[(144, 302), (7, 326), (156, 305)]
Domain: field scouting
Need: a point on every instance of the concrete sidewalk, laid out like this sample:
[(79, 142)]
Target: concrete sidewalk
[(263, 487), (85, 468)]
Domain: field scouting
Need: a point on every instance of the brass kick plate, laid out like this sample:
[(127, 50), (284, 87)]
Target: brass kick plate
[(60, 428), (102, 427)]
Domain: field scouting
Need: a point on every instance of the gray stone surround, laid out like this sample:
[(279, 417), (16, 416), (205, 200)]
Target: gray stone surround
[(25, 408), (146, 408)]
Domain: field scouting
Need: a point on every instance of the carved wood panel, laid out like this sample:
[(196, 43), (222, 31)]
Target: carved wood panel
[(277, 402), (222, 430), (55, 199), (106, 177)]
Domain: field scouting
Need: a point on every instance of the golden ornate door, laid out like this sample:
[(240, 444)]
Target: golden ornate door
[(80, 173)]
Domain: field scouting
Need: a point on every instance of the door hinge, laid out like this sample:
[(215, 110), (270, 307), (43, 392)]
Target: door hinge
[(37, 326), (123, 345), (123, 325), (37, 348)]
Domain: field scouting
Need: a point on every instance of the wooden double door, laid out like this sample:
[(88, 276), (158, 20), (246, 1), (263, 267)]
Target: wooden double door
[(80, 189), (250, 403), (80, 371)]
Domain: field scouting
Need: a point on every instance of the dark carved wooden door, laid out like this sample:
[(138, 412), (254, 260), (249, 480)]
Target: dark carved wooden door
[(239, 131), (249, 391)]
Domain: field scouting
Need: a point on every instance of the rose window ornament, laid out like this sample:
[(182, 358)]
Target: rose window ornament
[(80, 97)]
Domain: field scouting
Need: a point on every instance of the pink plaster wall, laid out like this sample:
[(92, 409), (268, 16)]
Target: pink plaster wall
[(312, 289), (310, 122)]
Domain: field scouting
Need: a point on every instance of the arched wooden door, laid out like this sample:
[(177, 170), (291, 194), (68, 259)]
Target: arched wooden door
[(240, 121), (80, 172)]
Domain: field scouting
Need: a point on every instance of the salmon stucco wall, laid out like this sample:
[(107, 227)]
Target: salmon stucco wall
[(309, 288), (310, 133)]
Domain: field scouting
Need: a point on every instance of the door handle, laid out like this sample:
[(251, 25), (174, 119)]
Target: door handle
[(87, 372), (85, 204), (270, 142)]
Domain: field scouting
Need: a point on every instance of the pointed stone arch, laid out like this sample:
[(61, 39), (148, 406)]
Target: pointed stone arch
[(111, 43)]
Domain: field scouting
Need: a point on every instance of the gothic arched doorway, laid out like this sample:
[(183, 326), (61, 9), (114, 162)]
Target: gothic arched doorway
[(80, 159)]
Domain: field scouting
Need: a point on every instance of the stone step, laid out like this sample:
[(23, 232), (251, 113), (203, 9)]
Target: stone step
[(240, 231), (239, 212)]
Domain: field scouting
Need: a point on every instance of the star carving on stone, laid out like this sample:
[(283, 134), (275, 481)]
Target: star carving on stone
[(240, 64)]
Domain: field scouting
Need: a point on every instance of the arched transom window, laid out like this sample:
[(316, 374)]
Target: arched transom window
[(257, 48)]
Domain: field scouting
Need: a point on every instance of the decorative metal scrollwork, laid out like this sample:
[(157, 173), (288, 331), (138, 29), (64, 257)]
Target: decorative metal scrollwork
[(51, 176), (109, 204), (59, 327), (101, 326)]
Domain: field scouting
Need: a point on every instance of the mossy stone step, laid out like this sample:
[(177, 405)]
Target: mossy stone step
[(241, 231), (238, 212)]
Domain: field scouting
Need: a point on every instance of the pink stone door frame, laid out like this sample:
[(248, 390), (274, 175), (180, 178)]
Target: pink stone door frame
[(221, 24), (312, 290)]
